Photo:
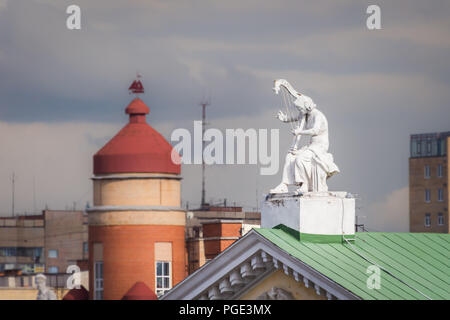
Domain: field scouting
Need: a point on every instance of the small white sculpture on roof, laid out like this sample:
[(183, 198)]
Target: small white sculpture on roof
[(307, 167), (44, 292)]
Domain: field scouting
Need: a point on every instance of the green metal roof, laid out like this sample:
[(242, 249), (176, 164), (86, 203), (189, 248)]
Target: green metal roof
[(413, 265)]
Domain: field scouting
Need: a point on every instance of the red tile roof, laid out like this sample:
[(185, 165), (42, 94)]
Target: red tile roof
[(77, 294), (140, 291)]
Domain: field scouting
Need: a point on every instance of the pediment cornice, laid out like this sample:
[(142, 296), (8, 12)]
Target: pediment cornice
[(243, 265)]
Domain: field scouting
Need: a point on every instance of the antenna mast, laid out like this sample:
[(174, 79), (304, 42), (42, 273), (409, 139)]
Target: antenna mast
[(34, 194), (13, 187), (203, 104)]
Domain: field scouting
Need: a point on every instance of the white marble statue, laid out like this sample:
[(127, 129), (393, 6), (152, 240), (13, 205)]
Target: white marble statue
[(44, 292), (308, 167)]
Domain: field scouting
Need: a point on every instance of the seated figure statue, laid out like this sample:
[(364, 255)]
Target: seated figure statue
[(309, 167)]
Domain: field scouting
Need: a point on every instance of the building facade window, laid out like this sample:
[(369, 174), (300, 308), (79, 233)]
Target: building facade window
[(440, 195), (428, 147), (419, 147), (427, 195), (53, 269), (85, 247), (98, 280), (53, 253), (439, 171), (440, 219), (427, 220), (9, 266), (163, 277), (21, 252), (39, 268), (427, 172), (8, 252)]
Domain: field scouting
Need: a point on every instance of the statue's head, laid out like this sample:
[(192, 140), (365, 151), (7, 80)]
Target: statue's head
[(41, 281), (304, 104)]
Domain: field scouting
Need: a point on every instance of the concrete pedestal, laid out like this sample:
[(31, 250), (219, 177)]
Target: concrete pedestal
[(318, 216)]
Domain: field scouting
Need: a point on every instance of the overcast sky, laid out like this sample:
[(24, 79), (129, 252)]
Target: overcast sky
[(63, 92)]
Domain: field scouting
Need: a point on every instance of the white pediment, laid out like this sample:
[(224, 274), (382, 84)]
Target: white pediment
[(243, 265)]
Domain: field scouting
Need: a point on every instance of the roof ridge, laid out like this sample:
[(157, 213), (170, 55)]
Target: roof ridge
[(292, 232)]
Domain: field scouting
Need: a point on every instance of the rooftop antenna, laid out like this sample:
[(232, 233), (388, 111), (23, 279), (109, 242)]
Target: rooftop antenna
[(257, 184), (204, 103), (13, 181), (359, 225), (34, 194), (136, 87)]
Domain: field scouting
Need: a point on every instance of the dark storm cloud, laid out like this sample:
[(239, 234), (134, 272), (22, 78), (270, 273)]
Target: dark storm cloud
[(376, 87)]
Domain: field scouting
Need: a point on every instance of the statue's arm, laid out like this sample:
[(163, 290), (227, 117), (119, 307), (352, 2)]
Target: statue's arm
[(315, 130), (310, 132), (284, 118), (292, 119)]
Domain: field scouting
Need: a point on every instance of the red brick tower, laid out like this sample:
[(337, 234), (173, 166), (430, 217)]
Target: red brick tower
[(136, 226)]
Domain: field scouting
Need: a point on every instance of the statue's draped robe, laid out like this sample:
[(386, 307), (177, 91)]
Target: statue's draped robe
[(312, 164), (46, 294)]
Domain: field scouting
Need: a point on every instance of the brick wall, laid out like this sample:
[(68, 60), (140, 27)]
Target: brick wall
[(417, 185), (128, 255), (217, 237)]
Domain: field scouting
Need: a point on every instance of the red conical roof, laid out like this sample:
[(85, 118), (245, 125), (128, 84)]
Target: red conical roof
[(137, 106), (77, 294), (137, 148), (140, 291)]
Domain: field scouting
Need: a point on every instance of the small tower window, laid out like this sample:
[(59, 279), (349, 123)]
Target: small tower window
[(98, 270), (98, 280), (163, 278)]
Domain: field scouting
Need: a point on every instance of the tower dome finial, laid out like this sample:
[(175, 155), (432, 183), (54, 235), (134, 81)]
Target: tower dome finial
[(136, 87)]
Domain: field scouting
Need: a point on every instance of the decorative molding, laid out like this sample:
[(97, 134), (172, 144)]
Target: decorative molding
[(214, 294), (276, 294), (225, 287), (247, 271), (297, 276), (266, 258), (286, 269), (132, 208), (306, 282), (236, 280), (317, 288), (223, 221), (275, 263), (257, 263), (132, 176), (243, 265), (113, 218), (249, 285), (219, 238)]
